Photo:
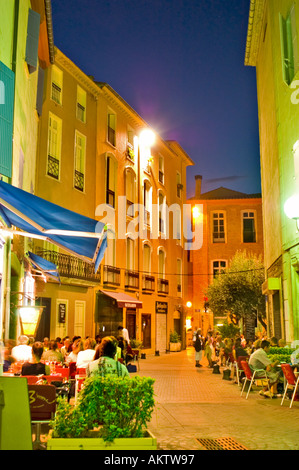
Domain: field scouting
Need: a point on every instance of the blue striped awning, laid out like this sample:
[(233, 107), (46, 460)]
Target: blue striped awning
[(37, 218)]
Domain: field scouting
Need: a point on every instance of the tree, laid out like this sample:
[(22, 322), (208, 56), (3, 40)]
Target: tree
[(237, 292)]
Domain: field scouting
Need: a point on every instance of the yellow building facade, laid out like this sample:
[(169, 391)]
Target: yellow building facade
[(94, 158)]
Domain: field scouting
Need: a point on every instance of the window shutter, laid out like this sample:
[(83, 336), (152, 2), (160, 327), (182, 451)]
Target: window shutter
[(284, 49), (32, 39), (40, 91), (7, 81)]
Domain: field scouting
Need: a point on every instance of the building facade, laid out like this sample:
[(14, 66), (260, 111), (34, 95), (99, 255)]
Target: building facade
[(25, 53), (94, 157), (272, 47), (231, 221)]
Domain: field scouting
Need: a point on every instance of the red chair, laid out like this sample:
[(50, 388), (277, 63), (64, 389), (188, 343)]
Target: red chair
[(64, 371), (42, 402), (53, 378), (72, 369), (81, 371), (259, 374), (32, 379), (292, 381), (238, 367)]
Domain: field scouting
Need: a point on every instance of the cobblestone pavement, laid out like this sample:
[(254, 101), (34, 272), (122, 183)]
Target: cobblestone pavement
[(193, 403)]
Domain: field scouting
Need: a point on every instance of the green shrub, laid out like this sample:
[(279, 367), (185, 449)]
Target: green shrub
[(123, 407), (174, 337)]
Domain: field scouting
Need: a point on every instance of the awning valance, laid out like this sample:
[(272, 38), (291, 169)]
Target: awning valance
[(47, 268), (37, 218), (123, 300)]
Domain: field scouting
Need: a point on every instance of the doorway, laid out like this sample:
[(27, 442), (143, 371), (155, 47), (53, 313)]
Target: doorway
[(146, 320), (131, 322)]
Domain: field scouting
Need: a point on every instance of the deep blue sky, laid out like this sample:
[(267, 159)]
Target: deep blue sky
[(180, 65)]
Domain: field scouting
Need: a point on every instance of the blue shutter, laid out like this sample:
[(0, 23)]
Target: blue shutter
[(7, 85), (32, 39)]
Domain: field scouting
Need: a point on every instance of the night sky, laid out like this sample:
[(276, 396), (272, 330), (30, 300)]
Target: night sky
[(180, 65)]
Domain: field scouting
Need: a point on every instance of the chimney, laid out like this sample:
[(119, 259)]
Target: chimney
[(198, 180)]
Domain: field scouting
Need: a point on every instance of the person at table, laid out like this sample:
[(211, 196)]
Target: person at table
[(260, 360), (76, 347), (87, 355), (53, 354), (104, 362), (22, 352), (35, 366)]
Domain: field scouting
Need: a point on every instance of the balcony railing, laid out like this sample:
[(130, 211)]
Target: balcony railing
[(70, 266), (111, 275), (53, 167), (79, 180), (163, 286), (148, 283), (131, 279)]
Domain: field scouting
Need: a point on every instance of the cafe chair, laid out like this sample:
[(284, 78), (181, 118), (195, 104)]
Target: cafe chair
[(64, 371), (238, 368), (252, 377), (79, 383), (32, 379), (42, 402), (53, 378), (291, 381), (136, 357)]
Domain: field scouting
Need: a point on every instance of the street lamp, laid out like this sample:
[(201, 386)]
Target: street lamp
[(291, 208)]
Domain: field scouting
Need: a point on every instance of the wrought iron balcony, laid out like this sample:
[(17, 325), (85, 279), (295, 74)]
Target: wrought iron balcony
[(111, 275), (148, 283), (53, 167), (131, 279), (71, 266), (79, 180), (163, 286)]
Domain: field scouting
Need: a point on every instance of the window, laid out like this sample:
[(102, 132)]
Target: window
[(56, 84), (249, 235), (80, 151), (161, 169), (161, 257), (218, 267), (218, 227), (162, 212), (179, 185), (111, 129), (179, 277), (130, 254), (54, 146), (289, 46), (130, 189), (131, 150), (111, 178), (146, 258), (81, 104), (147, 201)]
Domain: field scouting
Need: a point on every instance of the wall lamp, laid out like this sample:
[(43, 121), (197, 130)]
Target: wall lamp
[(291, 208)]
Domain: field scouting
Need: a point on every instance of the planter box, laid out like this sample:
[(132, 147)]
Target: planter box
[(174, 347), (149, 442)]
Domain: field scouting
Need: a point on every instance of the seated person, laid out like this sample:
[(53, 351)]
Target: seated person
[(260, 360), (35, 366), (239, 350), (53, 353), (104, 362), (129, 354), (87, 355)]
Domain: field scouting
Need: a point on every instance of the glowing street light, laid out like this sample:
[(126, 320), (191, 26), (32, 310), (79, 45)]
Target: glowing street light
[(291, 208)]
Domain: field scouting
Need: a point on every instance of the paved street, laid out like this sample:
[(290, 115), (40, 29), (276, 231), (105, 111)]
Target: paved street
[(193, 403)]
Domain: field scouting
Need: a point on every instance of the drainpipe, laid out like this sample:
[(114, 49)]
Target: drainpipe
[(48, 10)]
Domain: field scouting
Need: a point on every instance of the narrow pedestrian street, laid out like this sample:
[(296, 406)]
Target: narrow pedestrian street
[(193, 403)]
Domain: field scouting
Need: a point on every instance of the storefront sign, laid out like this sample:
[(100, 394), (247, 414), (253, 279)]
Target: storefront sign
[(61, 313), (162, 307)]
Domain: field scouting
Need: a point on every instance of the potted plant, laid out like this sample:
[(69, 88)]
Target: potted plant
[(111, 413), (174, 342)]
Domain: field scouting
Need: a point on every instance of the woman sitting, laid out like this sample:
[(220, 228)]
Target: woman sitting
[(35, 366), (53, 353), (104, 362)]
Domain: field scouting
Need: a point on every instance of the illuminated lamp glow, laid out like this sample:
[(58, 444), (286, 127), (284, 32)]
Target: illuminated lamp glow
[(30, 316), (291, 207), (195, 212), (189, 304), (147, 138)]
